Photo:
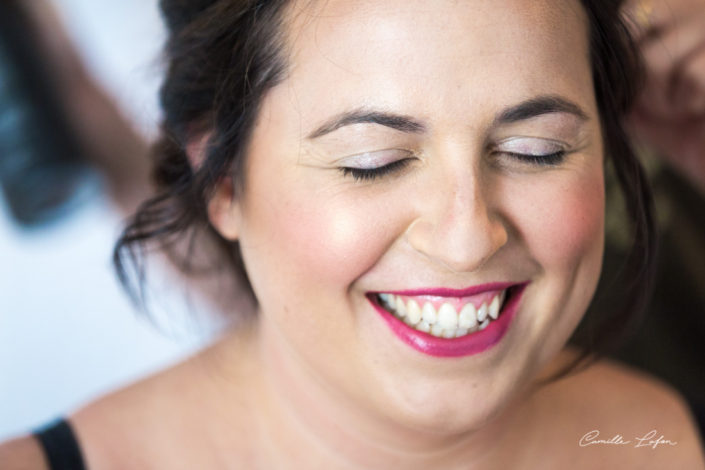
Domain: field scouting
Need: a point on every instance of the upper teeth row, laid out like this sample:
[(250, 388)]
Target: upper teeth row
[(446, 321)]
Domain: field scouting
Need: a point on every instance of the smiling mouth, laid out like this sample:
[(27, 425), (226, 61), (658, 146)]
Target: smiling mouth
[(445, 316)]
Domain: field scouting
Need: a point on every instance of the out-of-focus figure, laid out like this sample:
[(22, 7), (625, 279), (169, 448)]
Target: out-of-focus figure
[(670, 115), (56, 123), (42, 163), (73, 163)]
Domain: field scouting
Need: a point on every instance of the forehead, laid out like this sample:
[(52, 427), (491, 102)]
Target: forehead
[(435, 57)]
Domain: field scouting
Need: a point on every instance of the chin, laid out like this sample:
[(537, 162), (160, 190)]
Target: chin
[(455, 408)]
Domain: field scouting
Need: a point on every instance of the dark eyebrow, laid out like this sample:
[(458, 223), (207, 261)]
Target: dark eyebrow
[(538, 106), (363, 116), (522, 111)]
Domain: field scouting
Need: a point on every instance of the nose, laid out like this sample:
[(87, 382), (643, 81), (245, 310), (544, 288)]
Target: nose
[(458, 227)]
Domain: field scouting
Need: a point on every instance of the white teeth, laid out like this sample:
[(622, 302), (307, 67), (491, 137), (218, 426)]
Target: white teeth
[(494, 308), (482, 313), (447, 317), (400, 308), (412, 310), (414, 314), (429, 313), (436, 330), (446, 322), (467, 318)]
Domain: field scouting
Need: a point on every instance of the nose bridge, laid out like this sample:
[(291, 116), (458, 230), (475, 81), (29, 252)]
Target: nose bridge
[(459, 227)]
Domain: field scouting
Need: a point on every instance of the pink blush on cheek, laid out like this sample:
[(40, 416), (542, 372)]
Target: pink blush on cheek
[(564, 226), (579, 224), (334, 245)]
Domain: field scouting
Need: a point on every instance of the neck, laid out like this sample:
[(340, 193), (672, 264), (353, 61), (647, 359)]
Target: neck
[(306, 418)]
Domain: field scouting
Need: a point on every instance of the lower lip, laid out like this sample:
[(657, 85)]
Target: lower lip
[(473, 343)]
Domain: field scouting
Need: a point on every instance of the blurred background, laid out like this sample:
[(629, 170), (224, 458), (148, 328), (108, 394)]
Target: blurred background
[(78, 103), (78, 107)]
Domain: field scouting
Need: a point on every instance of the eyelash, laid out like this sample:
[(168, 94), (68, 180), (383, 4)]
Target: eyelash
[(548, 159), (370, 174)]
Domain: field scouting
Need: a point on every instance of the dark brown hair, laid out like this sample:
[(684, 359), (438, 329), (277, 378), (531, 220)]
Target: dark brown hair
[(618, 77), (224, 55)]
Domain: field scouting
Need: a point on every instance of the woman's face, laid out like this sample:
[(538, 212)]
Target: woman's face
[(482, 115)]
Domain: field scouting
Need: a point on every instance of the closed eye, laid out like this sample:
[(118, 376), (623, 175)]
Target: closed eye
[(547, 159), (369, 174)]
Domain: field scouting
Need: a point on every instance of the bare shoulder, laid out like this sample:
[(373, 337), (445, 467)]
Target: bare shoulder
[(114, 430), (22, 453), (617, 414), (162, 421), (627, 393)]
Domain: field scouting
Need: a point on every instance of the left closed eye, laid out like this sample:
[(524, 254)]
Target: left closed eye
[(532, 150), (546, 159)]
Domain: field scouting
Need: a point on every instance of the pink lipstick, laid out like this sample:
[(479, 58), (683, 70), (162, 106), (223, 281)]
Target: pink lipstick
[(472, 343)]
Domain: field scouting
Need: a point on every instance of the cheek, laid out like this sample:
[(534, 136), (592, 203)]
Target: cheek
[(317, 240), (336, 243), (564, 224)]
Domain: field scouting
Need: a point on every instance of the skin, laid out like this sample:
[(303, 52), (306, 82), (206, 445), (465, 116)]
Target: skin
[(315, 241), (670, 113), (319, 380)]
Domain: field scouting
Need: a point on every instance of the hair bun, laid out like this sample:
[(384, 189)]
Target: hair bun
[(179, 13)]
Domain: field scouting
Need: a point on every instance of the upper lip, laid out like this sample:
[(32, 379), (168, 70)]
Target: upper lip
[(450, 292)]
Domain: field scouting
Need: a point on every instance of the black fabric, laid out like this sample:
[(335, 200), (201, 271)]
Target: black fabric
[(60, 446)]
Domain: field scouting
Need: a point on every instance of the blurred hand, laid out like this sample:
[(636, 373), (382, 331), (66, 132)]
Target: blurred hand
[(670, 113), (110, 141)]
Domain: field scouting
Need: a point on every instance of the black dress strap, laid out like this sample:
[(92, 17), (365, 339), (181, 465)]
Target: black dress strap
[(60, 446)]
